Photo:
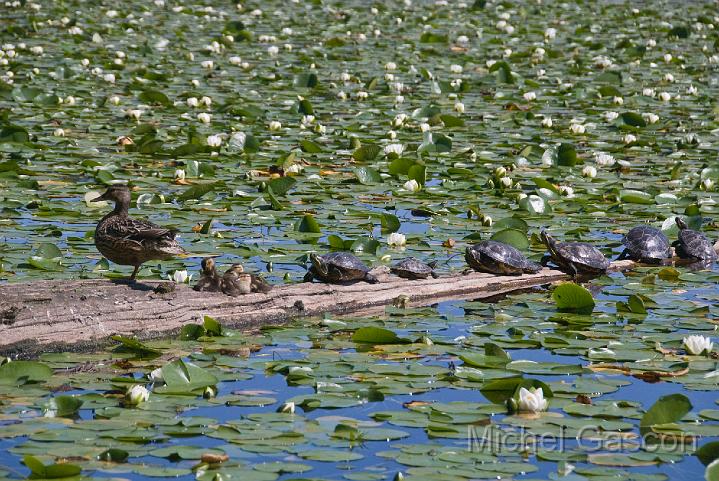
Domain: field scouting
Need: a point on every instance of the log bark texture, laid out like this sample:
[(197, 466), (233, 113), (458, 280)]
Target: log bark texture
[(47, 316)]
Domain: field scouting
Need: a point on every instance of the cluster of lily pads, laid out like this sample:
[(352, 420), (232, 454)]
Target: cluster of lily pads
[(270, 130)]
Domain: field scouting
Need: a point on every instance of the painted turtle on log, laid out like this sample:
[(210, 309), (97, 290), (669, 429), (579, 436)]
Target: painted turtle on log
[(646, 244), (499, 258), (338, 267), (575, 257)]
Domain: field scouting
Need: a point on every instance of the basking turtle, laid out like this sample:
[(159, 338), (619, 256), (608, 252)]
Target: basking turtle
[(575, 257), (337, 267), (210, 280), (413, 268), (693, 244), (498, 258), (646, 244)]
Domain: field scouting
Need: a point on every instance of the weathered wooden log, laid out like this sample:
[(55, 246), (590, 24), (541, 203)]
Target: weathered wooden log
[(60, 315)]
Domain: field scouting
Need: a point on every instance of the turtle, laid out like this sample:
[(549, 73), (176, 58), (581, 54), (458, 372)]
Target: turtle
[(693, 244), (338, 267), (498, 258), (575, 257), (413, 268), (646, 244)]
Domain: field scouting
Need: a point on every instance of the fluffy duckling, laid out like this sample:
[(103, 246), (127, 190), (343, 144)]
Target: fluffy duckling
[(236, 282), (210, 280)]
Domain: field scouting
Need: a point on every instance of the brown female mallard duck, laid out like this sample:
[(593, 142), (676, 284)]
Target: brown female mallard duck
[(236, 282), (210, 280), (131, 242)]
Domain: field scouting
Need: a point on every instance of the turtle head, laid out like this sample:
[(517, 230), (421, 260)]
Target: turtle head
[(319, 264), (208, 265), (546, 238), (680, 223)]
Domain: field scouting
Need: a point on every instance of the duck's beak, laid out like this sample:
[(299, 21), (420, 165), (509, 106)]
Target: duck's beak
[(99, 198)]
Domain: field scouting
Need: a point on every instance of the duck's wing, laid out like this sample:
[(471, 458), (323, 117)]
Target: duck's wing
[(139, 230)]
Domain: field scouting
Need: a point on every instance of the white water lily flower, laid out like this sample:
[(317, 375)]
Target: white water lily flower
[(529, 96), (459, 107), (669, 77), (399, 119), (707, 184), (577, 128), (411, 185), (345, 77), (274, 125), (668, 57), (457, 69), (692, 90), (192, 102), (390, 66), (109, 77), (156, 375), (394, 149), (208, 64), (550, 33), (287, 408), (237, 140), (179, 174), (589, 171), (618, 101), (648, 92), (532, 400), (214, 140), (273, 50), (293, 169), (629, 138), (115, 100), (134, 113), (235, 60), (603, 159), (424, 127), (37, 50), (396, 239), (548, 157), (566, 191), (362, 95), (610, 116), (204, 117), (180, 277), (59, 133), (698, 344), (206, 101), (547, 122), (665, 96), (137, 394), (651, 118), (506, 182)]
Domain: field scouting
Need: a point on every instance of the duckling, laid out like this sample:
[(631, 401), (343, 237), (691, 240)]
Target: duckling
[(132, 242), (210, 280), (236, 282)]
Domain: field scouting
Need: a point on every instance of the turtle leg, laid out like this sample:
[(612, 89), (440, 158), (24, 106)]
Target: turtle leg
[(575, 273), (308, 277), (434, 275), (623, 255), (370, 278), (545, 259)]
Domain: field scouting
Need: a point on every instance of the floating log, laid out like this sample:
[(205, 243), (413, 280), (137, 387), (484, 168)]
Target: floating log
[(45, 316)]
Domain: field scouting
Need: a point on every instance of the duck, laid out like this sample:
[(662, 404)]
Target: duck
[(236, 282), (210, 280), (132, 242)]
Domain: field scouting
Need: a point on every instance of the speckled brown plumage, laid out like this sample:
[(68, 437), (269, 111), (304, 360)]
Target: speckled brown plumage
[(131, 242)]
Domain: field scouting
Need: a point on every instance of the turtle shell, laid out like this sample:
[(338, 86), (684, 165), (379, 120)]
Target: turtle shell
[(580, 256), (693, 244), (341, 267), (412, 268), (647, 244), (498, 258)]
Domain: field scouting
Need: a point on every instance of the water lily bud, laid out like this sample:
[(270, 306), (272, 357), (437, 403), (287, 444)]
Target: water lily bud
[(547, 122), (204, 117), (529, 96), (506, 181), (180, 277), (59, 133), (275, 125), (273, 50), (209, 392), (109, 77), (192, 102), (668, 57), (214, 140), (665, 96), (532, 400), (459, 107), (411, 185), (669, 77), (629, 138), (577, 128), (697, 345), (651, 118), (396, 239), (648, 92), (500, 172), (395, 150), (208, 64), (707, 184), (114, 100), (399, 120), (424, 127), (287, 408), (136, 395), (235, 60), (205, 100), (362, 95), (618, 101), (589, 171)]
